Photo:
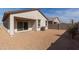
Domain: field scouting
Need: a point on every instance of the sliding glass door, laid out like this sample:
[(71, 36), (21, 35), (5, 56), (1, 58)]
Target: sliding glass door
[(22, 26), (25, 25)]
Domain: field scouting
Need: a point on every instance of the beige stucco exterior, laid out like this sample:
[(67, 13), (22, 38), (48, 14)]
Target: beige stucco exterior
[(35, 15)]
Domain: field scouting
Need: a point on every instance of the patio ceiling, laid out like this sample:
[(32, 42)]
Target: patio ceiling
[(22, 18)]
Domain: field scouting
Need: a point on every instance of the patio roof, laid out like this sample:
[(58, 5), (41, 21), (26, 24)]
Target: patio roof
[(7, 14), (22, 18)]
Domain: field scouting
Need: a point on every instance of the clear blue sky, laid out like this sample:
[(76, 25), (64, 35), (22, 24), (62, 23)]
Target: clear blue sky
[(65, 14)]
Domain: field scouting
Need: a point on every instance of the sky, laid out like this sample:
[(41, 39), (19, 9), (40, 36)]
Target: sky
[(65, 14)]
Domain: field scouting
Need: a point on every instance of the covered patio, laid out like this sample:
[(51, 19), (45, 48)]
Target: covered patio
[(24, 24)]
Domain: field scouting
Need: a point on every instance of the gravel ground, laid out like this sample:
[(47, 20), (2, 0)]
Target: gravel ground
[(31, 40)]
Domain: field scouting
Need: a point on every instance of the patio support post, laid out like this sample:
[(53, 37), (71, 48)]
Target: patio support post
[(36, 25), (47, 25), (11, 25)]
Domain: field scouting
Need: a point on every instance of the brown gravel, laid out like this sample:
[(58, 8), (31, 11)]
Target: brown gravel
[(31, 40)]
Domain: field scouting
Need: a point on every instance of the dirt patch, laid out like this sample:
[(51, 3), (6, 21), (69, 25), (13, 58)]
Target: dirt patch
[(31, 40)]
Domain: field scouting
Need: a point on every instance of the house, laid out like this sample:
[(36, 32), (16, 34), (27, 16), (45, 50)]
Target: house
[(26, 20), (54, 20)]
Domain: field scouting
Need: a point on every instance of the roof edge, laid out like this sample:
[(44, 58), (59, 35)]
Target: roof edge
[(7, 14)]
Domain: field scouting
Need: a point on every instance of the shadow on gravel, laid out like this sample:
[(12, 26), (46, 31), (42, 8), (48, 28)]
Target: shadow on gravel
[(65, 43)]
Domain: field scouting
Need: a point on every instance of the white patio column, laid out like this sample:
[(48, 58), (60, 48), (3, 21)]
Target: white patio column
[(47, 25), (36, 25), (11, 25)]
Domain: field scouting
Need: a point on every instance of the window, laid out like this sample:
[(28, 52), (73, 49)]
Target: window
[(55, 22), (39, 23), (46, 23)]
